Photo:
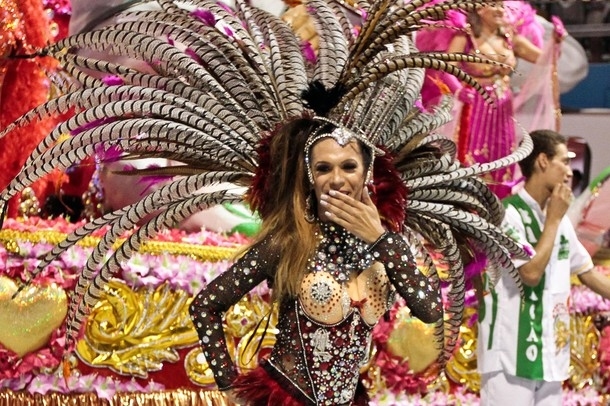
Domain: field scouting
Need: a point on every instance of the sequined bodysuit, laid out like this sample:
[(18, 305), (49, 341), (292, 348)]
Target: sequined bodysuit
[(324, 334)]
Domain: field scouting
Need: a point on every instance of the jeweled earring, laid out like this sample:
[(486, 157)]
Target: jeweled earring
[(369, 182), (309, 216)]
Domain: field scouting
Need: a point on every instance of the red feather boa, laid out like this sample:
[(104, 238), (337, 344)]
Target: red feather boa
[(389, 193), (258, 388), (23, 86)]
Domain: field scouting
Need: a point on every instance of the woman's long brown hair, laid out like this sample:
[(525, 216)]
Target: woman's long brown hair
[(284, 221)]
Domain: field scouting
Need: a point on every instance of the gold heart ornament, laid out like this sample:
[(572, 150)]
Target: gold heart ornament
[(28, 320), (414, 341)]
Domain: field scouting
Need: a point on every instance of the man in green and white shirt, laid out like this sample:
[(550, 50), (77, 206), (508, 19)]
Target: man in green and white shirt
[(524, 343)]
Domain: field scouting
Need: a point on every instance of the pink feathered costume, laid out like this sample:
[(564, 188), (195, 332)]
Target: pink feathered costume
[(486, 132)]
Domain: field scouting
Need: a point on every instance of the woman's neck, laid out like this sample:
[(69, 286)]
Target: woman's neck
[(488, 31)]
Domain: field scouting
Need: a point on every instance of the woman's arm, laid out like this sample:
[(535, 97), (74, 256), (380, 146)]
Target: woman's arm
[(458, 44), (210, 304), (422, 297), (525, 49)]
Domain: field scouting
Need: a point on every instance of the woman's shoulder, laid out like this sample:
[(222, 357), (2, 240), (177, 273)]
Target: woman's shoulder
[(459, 43)]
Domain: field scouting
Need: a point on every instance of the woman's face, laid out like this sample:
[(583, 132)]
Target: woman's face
[(492, 14), (337, 168)]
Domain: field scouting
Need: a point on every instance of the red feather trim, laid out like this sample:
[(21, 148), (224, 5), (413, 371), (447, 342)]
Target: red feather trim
[(259, 189), (464, 133), (389, 192), (258, 388)]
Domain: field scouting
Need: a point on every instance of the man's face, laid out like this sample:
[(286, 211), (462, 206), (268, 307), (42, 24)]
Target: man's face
[(558, 169)]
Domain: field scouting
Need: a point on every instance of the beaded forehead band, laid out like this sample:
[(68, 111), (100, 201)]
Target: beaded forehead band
[(342, 136)]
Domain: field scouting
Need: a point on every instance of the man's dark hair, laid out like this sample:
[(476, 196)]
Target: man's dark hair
[(545, 142)]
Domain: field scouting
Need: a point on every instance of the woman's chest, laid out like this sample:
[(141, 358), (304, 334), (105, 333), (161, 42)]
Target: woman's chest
[(328, 300)]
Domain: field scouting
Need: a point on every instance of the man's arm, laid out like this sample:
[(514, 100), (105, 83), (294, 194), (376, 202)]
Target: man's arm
[(556, 207), (532, 271), (596, 281)]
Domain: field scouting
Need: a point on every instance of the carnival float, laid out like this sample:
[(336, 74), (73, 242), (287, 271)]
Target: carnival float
[(138, 345)]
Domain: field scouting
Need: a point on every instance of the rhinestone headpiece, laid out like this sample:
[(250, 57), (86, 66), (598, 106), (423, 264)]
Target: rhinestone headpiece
[(343, 136)]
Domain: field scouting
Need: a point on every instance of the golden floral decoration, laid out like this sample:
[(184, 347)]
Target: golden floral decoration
[(200, 252), (413, 340), (244, 316), (462, 367), (134, 332), (245, 332), (584, 360), (29, 205), (197, 368)]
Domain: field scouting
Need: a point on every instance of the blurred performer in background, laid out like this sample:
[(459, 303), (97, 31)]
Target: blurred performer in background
[(503, 32)]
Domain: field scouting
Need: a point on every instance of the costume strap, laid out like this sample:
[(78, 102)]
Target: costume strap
[(529, 358)]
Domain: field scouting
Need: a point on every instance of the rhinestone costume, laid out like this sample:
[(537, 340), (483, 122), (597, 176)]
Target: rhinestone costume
[(324, 334)]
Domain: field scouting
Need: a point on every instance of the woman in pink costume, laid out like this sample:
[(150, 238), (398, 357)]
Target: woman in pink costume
[(503, 32), (487, 131)]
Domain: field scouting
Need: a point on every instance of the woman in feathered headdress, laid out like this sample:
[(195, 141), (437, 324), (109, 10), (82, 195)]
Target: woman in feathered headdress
[(323, 249), (327, 149)]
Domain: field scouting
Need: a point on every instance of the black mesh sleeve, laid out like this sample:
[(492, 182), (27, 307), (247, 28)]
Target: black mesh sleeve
[(423, 298), (210, 304)]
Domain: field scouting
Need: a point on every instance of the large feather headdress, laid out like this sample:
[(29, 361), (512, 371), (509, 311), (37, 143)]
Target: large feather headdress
[(220, 81)]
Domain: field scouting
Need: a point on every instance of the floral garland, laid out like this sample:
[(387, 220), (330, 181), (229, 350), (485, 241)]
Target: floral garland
[(105, 387), (19, 256)]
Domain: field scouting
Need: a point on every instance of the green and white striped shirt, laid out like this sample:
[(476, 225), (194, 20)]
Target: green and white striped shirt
[(530, 338)]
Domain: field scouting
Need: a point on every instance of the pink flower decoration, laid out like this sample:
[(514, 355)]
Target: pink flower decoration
[(308, 52), (226, 7), (228, 31), (585, 301), (12, 367), (92, 124), (191, 53), (419, 106), (58, 6), (111, 154)]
